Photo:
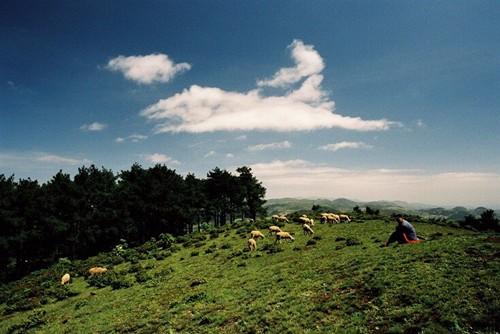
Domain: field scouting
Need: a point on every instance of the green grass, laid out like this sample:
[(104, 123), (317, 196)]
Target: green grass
[(343, 283)]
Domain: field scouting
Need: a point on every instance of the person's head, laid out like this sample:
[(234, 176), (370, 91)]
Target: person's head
[(399, 219)]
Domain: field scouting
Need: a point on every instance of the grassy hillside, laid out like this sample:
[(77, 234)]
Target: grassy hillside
[(340, 281)]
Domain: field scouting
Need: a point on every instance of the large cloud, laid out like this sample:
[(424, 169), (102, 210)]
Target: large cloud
[(147, 69), (306, 107), (299, 178)]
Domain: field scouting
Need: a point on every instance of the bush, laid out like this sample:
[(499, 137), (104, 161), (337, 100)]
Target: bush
[(225, 246), (165, 240), (35, 319), (142, 277), (195, 253), (352, 242), (311, 242), (272, 248)]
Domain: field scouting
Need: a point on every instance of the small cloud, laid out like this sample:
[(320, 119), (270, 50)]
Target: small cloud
[(242, 137), (135, 138), (229, 155), (209, 154), (159, 158), (345, 145), (57, 159), (119, 139), (95, 126), (147, 69), (420, 124), (270, 146)]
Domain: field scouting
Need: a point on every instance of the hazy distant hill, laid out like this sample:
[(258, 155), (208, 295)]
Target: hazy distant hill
[(287, 205)]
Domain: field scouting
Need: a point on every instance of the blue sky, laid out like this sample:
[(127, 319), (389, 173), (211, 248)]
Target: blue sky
[(360, 99)]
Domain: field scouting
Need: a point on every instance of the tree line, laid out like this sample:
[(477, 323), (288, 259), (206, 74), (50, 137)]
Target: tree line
[(89, 213)]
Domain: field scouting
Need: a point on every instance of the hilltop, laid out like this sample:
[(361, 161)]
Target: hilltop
[(340, 280)]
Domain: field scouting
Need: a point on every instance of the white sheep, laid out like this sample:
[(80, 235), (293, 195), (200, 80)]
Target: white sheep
[(252, 244), (333, 218), (283, 236), (65, 279), (344, 217), (257, 235), (274, 229), (97, 270), (307, 229), (305, 220)]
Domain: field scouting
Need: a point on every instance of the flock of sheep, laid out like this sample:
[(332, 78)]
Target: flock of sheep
[(305, 221)]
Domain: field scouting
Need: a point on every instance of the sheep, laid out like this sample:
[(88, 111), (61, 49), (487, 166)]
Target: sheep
[(252, 244), (323, 217), (283, 235), (307, 229), (305, 220), (275, 217), (344, 217), (256, 235), (283, 218), (97, 271), (65, 279), (274, 229), (333, 218)]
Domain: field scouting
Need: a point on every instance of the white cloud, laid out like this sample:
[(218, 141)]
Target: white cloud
[(209, 154), (270, 146), (420, 123), (147, 69), (300, 178), (17, 159), (345, 145), (307, 63), (95, 126), (159, 158), (206, 109), (134, 138), (242, 137), (229, 155)]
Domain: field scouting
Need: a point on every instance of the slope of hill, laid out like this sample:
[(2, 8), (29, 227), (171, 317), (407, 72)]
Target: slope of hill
[(339, 281)]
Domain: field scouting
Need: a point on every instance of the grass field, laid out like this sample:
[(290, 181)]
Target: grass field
[(341, 281)]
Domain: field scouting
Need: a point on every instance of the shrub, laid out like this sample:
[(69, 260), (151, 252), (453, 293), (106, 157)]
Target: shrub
[(195, 253), (165, 240), (225, 246), (352, 242), (272, 248), (35, 319), (197, 282), (311, 242), (142, 277)]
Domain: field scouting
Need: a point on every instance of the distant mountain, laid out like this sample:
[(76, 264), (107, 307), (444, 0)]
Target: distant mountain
[(288, 205)]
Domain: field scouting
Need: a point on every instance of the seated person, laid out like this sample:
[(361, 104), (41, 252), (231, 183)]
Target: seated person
[(404, 234)]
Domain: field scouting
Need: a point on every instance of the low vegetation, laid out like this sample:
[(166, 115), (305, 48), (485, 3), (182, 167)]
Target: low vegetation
[(338, 280)]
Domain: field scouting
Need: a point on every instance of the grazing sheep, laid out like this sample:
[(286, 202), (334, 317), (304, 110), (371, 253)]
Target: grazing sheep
[(344, 217), (307, 229), (323, 217), (333, 218), (305, 220), (252, 244), (283, 236), (257, 235), (65, 279), (97, 271), (275, 217), (283, 218), (274, 229)]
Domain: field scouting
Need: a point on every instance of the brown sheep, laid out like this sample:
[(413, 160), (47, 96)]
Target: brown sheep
[(283, 236), (65, 279), (257, 235), (307, 229), (252, 244), (97, 271)]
